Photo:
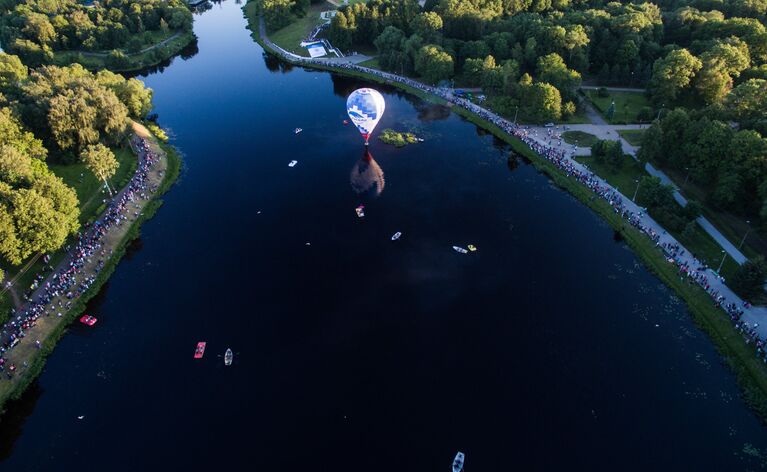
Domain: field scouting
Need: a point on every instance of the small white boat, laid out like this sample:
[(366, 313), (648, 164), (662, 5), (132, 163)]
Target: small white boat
[(298, 130), (396, 236), (228, 357), (460, 249), (458, 462), (292, 163), (360, 211)]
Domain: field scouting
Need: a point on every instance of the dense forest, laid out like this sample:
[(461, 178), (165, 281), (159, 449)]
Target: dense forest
[(36, 29), (534, 53), (62, 115)]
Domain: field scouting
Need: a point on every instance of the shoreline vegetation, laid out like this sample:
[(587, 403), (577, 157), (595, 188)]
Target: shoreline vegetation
[(168, 172), (749, 371), (118, 60), (396, 138)]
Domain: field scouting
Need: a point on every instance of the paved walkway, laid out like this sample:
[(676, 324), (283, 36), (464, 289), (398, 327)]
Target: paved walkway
[(602, 130), (613, 89)]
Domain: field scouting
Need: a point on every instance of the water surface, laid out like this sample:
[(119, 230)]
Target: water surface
[(548, 347)]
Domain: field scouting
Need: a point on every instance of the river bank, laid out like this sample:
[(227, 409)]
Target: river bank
[(739, 354), (40, 340), (128, 61)]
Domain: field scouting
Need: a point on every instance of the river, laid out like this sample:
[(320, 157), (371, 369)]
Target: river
[(551, 346)]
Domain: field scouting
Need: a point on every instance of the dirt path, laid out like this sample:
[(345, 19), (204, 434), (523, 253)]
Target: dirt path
[(24, 353)]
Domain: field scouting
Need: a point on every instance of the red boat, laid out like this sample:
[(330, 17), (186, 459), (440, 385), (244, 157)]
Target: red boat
[(88, 320), (200, 350)]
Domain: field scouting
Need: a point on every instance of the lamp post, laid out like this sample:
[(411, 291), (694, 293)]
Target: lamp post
[(633, 199), (659, 110), (745, 235), (687, 169), (724, 256), (516, 109)]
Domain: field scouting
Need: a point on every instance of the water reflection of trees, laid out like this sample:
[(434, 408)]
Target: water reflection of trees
[(16, 414), (343, 86), (187, 52), (367, 175), (274, 64)]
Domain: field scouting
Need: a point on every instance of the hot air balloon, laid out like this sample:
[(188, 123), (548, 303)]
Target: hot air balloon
[(365, 107)]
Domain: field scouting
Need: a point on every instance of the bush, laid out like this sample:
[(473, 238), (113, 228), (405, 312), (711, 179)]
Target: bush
[(645, 115), (117, 59), (748, 281), (602, 92)]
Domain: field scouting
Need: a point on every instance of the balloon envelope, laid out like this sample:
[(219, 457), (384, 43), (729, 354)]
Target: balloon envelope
[(365, 107)]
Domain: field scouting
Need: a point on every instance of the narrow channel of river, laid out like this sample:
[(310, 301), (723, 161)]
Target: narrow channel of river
[(548, 347)]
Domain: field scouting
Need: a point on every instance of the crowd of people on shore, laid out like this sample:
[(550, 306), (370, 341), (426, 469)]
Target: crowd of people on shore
[(76, 274), (696, 273)]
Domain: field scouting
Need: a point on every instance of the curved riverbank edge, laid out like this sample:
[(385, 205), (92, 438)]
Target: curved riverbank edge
[(751, 374), (172, 172), (149, 57)]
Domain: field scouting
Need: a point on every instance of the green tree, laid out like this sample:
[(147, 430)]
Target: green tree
[(433, 64), (428, 25), (672, 74), (12, 71), (553, 70), (542, 102), (278, 13), (100, 160), (652, 147), (749, 278), (748, 101)]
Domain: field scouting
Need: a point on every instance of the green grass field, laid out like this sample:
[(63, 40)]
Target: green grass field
[(580, 138), (372, 63), (633, 136), (289, 38), (624, 179), (627, 105)]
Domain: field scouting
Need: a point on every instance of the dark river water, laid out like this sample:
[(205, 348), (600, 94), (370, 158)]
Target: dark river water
[(548, 347)]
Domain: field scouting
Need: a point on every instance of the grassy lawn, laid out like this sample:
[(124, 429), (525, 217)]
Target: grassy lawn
[(633, 136), (289, 38), (580, 138), (89, 189), (627, 105), (624, 179), (90, 194), (372, 63)]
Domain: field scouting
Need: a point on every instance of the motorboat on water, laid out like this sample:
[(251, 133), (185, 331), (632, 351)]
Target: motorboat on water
[(298, 130), (460, 249), (88, 320), (458, 462), (396, 236), (360, 211), (228, 356), (199, 351)]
